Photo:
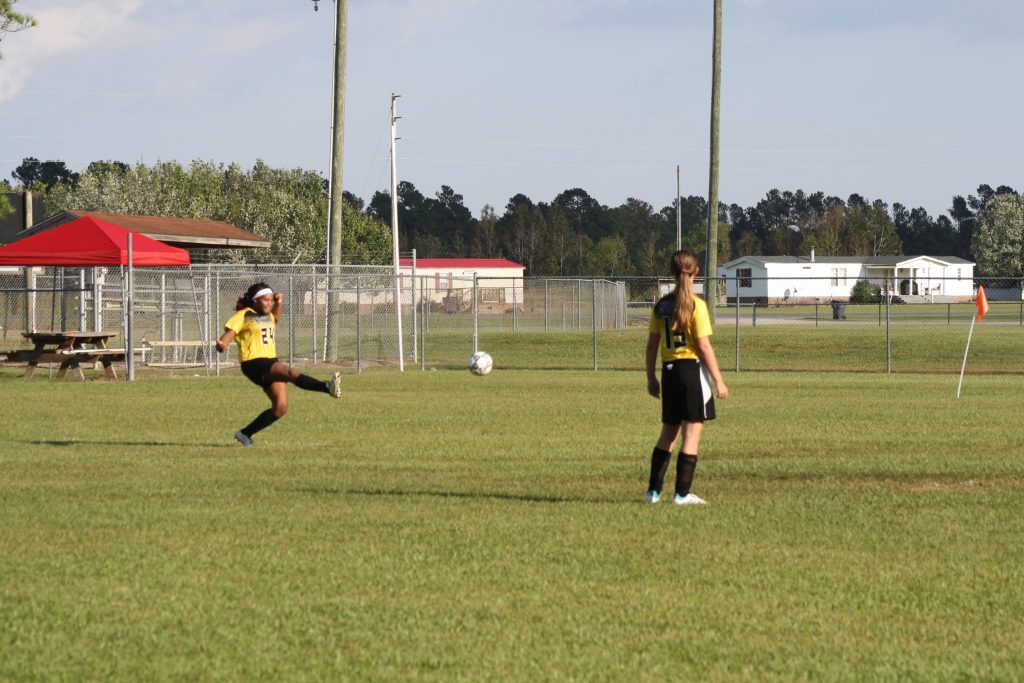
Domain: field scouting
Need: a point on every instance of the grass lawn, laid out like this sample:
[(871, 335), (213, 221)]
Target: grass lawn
[(439, 526)]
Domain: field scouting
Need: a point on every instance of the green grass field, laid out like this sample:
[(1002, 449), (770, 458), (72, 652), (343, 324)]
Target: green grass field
[(437, 526)]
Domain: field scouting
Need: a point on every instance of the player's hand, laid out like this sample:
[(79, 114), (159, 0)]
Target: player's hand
[(278, 298), (723, 391), (653, 388), (221, 346)]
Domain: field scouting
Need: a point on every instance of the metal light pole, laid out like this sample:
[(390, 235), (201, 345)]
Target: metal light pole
[(394, 229), (711, 257)]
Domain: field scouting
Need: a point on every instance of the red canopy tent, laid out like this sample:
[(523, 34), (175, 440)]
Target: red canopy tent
[(88, 241)]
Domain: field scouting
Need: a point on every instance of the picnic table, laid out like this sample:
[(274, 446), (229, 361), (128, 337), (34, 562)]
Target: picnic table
[(70, 349)]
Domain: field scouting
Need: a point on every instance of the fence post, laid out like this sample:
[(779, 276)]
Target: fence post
[(97, 301), (476, 315), (815, 312), (949, 312), (888, 330), (415, 333), (515, 317), (593, 320), (313, 304), (208, 322), (754, 318), (216, 305), (423, 327), (737, 289), (291, 321), (359, 306), (82, 322), (545, 304)]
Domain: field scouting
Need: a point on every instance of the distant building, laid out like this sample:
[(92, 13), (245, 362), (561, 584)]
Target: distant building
[(450, 281), (806, 279)]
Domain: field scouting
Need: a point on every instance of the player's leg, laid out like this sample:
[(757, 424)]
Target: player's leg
[(660, 457), (282, 372), (277, 392), (686, 465)]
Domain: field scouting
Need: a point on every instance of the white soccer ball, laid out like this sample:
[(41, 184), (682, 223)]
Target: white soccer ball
[(480, 363)]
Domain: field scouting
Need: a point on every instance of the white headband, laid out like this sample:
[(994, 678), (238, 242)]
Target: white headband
[(262, 292)]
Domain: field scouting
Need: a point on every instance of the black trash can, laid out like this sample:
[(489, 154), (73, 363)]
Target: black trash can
[(839, 310)]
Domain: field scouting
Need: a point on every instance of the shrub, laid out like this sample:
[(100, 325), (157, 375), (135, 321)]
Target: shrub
[(865, 293)]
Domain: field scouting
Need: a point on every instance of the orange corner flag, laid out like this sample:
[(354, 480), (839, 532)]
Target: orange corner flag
[(982, 303)]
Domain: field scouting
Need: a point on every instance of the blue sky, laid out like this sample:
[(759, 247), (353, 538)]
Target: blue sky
[(901, 100)]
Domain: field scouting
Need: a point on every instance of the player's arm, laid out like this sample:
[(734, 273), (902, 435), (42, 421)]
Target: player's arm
[(276, 310), (707, 357), (653, 345), (225, 339)]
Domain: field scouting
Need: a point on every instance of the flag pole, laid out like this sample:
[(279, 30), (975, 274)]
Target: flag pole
[(964, 364), (982, 302)]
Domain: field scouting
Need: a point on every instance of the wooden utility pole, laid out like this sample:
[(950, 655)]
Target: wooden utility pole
[(679, 210), (335, 201), (711, 257)]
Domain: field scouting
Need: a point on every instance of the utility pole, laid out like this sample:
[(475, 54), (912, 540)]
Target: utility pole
[(679, 212), (394, 227), (335, 200), (711, 257)]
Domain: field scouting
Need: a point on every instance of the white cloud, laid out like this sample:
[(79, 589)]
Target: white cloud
[(69, 27)]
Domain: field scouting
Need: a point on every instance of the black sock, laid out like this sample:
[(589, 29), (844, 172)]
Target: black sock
[(685, 467), (262, 421), (659, 466), (312, 384)]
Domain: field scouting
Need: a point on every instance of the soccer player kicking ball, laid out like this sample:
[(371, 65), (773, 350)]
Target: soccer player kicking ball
[(252, 328), (680, 331)]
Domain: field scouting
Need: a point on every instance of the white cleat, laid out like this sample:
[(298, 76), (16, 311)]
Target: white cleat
[(335, 385), (652, 496), (243, 439), (689, 499)]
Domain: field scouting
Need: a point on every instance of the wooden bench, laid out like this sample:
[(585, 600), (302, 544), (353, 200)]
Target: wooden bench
[(72, 359), (179, 349)]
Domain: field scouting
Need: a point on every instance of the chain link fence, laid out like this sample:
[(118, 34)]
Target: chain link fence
[(347, 317), (532, 322)]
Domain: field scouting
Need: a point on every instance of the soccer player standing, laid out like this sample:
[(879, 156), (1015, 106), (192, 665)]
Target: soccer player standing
[(252, 328), (680, 332)]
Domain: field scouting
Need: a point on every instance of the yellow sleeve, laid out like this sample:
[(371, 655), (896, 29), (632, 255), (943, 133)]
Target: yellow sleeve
[(236, 321), (654, 327), (701, 322)]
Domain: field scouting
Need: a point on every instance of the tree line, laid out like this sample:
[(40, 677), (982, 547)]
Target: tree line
[(573, 234)]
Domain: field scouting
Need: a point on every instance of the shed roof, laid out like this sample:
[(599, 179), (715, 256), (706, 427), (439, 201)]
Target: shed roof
[(462, 263), (181, 232)]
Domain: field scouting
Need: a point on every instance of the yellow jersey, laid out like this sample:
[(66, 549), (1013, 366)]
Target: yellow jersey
[(681, 344), (254, 334)]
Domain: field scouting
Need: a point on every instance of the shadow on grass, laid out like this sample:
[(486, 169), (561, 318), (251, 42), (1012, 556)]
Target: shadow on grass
[(479, 495), (87, 442)]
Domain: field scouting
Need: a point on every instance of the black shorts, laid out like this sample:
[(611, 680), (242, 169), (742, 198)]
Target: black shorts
[(686, 393), (256, 370)]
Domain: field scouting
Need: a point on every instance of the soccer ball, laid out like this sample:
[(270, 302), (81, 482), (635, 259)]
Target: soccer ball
[(480, 363)]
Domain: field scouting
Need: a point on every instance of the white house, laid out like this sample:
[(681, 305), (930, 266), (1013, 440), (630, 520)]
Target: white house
[(450, 281), (447, 282), (806, 279)]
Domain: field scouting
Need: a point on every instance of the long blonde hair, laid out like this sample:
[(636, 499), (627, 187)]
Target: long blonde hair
[(684, 268)]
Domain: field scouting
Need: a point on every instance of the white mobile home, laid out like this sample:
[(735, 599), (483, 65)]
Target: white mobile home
[(806, 279)]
